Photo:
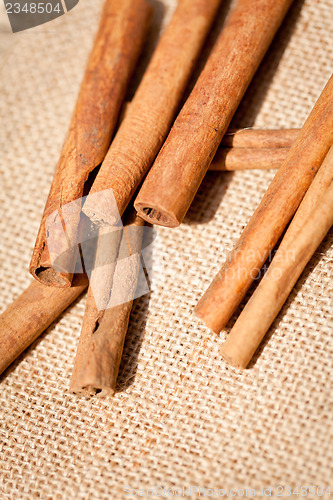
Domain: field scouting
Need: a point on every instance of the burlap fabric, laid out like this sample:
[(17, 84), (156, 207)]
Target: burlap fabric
[(180, 417)]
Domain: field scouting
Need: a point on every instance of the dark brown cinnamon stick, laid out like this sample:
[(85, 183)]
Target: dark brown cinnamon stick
[(30, 314), (271, 217), (115, 52), (181, 164)]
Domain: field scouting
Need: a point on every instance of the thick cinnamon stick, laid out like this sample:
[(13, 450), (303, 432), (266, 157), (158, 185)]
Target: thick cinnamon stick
[(115, 52), (310, 224), (30, 314), (180, 166), (248, 158), (104, 328), (247, 138), (152, 109), (243, 149), (271, 217)]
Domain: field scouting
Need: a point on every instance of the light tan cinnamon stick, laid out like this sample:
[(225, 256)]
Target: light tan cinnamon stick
[(152, 109), (105, 326), (180, 166), (116, 49), (310, 224), (248, 158), (30, 314), (271, 217)]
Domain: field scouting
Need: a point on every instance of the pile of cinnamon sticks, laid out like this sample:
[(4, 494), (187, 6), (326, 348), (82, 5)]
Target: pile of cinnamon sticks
[(119, 175)]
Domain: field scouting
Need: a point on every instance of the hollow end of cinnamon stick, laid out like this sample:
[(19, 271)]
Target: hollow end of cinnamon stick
[(155, 214), (87, 384), (49, 276)]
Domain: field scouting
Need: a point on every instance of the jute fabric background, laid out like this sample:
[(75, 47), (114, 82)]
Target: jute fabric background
[(180, 415)]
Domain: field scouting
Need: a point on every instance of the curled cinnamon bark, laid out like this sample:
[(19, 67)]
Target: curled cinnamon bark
[(116, 49)]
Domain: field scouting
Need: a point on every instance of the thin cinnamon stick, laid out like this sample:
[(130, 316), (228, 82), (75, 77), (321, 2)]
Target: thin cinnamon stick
[(271, 217), (180, 166), (30, 314), (152, 109), (248, 158), (310, 224), (259, 138), (248, 148), (104, 328), (116, 49), (242, 149)]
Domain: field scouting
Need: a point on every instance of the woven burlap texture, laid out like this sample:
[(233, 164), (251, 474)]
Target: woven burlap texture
[(180, 416)]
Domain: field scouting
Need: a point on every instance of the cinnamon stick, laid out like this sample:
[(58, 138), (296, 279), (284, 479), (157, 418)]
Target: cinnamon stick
[(180, 166), (242, 149), (248, 158), (271, 217), (253, 148), (259, 138), (30, 314), (104, 327), (310, 224), (152, 109), (116, 49), (247, 138), (248, 148)]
